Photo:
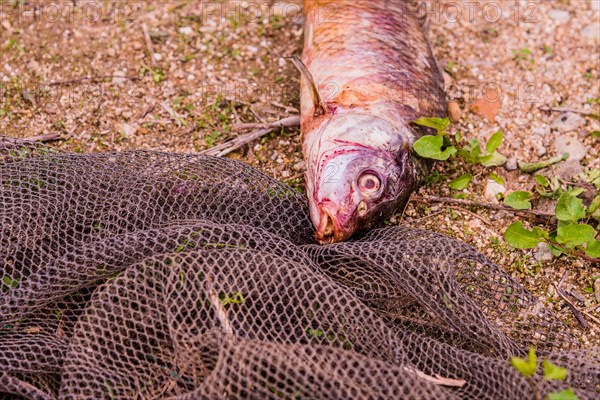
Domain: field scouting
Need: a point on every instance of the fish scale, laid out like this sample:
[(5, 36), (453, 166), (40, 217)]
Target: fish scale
[(370, 72)]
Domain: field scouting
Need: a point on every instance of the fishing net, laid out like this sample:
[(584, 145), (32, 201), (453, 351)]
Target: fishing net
[(147, 275)]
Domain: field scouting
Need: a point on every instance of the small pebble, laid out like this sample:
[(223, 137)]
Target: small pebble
[(118, 77), (568, 122), (543, 253), (568, 169), (454, 111), (492, 190), (591, 32), (540, 150), (299, 166), (511, 164), (570, 144), (186, 30), (597, 289), (559, 15)]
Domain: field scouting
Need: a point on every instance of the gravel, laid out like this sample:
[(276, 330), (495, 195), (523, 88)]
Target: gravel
[(545, 57), (570, 144)]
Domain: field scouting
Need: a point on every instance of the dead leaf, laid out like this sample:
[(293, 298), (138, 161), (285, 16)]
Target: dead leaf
[(489, 105)]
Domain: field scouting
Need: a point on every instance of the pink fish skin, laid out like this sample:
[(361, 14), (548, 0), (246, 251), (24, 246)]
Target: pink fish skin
[(375, 71)]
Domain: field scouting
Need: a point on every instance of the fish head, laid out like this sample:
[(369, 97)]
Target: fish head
[(358, 173)]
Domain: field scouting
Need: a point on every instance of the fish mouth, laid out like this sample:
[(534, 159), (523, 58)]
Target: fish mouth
[(330, 230)]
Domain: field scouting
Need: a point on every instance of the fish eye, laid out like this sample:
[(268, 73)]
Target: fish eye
[(369, 183)]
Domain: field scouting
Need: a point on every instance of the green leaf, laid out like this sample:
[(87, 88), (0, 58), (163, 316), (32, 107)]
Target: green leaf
[(494, 160), (575, 235), (431, 147), (567, 394), (556, 252), (518, 200), (553, 372), (542, 180), (540, 233), (439, 124), (494, 142), (595, 134), (527, 367), (530, 168), (517, 236), (569, 208), (593, 248), (462, 182), (594, 205), (497, 178)]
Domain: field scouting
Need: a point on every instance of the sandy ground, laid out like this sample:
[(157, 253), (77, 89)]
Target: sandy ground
[(178, 75)]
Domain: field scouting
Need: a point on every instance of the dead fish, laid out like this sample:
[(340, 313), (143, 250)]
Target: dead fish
[(367, 71)]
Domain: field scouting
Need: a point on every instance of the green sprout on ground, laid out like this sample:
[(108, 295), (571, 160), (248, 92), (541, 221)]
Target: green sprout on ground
[(443, 147), (577, 227), (573, 236), (528, 367)]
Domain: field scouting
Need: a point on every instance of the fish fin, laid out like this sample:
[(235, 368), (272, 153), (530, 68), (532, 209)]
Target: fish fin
[(318, 102)]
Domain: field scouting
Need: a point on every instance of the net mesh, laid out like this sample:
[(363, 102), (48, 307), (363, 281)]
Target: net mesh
[(149, 275)]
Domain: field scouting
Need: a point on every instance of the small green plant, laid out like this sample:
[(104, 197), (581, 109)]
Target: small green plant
[(8, 283), (528, 367), (571, 235), (231, 298), (443, 146), (576, 231)]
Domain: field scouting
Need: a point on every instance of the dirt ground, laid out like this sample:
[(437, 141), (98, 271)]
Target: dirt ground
[(178, 75)]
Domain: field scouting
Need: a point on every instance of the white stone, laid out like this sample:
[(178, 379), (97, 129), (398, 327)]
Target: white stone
[(118, 77), (186, 30), (128, 130), (591, 32), (492, 189), (568, 122), (543, 253), (559, 15), (570, 144)]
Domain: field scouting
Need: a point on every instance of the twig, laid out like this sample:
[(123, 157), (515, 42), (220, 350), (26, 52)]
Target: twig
[(92, 78), (220, 311), (149, 44), (425, 217), (437, 379), (47, 137), (596, 320), (480, 217), (286, 108), (574, 309), (232, 145), (293, 120), (148, 111), (172, 113), (564, 109), (470, 203)]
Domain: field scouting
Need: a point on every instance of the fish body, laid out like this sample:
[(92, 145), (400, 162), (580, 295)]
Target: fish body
[(370, 72)]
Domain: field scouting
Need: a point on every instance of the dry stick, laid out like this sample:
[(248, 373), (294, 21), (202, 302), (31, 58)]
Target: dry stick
[(92, 78), (574, 309), (437, 379), (293, 120), (149, 44), (470, 203), (232, 145), (47, 137), (220, 311), (564, 109), (172, 113)]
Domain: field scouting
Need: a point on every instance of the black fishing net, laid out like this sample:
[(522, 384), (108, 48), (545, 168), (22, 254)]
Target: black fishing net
[(146, 275)]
